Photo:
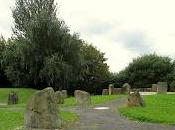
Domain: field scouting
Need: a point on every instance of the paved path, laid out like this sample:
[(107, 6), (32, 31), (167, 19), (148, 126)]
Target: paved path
[(110, 119)]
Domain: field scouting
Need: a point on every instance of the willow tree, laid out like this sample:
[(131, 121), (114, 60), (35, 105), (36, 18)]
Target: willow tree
[(39, 36)]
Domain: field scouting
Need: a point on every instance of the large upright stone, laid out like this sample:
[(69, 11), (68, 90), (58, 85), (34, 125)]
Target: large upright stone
[(59, 97), (105, 92), (111, 88), (64, 94), (126, 88), (135, 100), (12, 98), (82, 97), (42, 111), (162, 87)]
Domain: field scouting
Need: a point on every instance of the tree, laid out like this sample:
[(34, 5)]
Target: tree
[(148, 69), (40, 37), (3, 78), (94, 71)]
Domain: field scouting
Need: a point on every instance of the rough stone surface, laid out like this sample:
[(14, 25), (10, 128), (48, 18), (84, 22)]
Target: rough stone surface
[(12, 98), (154, 87), (135, 100), (116, 91), (82, 97), (111, 88), (64, 94), (105, 92), (126, 88), (162, 87), (42, 111), (59, 97), (172, 86)]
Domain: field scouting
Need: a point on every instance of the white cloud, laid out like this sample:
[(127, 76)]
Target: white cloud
[(151, 23)]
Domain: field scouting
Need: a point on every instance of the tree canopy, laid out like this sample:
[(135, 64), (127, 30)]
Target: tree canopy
[(146, 70), (43, 52)]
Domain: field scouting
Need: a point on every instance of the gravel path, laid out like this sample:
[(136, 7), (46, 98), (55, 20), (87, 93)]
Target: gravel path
[(91, 119)]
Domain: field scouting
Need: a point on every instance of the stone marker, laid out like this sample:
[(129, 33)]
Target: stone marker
[(111, 88), (162, 87), (105, 92), (135, 100), (172, 86), (116, 91), (64, 93), (59, 97), (42, 111), (82, 97), (126, 88), (154, 87), (12, 98)]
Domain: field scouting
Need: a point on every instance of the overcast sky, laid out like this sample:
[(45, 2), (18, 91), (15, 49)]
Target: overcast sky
[(123, 29)]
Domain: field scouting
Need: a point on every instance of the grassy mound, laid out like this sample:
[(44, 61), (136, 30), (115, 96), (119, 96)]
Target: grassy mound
[(159, 109)]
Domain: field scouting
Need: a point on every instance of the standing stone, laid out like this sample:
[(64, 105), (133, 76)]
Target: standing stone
[(172, 86), (111, 88), (105, 92), (82, 97), (154, 87), (59, 97), (126, 88), (64, 94), (162, 87), (42, 111), (12, 98), (135, 100)]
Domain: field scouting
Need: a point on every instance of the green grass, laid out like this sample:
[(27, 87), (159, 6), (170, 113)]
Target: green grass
[(12, 116), (23, 93), (98, 99), (68, 117), (159, 109)]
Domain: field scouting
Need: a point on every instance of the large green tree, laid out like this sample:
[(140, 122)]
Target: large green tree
[(146, 70), (41, 40), (94, 71)]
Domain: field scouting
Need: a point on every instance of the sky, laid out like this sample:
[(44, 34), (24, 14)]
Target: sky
[(123, 29)]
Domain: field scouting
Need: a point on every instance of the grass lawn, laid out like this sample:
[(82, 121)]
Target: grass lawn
[(98, 99), (159, 108), (12, 116)]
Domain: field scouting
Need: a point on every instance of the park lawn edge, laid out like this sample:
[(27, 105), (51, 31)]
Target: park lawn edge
[(148, 113)]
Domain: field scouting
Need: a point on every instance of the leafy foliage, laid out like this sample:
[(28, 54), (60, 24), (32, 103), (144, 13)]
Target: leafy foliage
[(146, 70), (42, 52)]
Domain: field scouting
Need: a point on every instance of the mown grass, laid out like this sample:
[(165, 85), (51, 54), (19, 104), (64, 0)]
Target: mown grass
[(159, 109), (95, 100), (23, 93), (12, 116)]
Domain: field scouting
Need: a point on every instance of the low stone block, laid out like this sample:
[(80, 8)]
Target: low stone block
[(162, 87), (13, 98), (64, 94), (105, 92), (117, 91), (135, 100), (59, 97), (126, 88), (82, 97)]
